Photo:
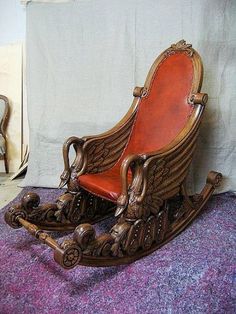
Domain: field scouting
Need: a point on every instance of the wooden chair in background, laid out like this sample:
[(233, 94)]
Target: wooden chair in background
[(4, 115)]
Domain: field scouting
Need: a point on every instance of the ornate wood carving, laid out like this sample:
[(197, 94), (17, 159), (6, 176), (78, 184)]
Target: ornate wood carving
[(180, 46), (140, 92), (198, 98), (68, 256), (127, 240), (152, 208), (85, 237), (119, 233), (102, 154), (66, 213), (158, 177), (95, 154)]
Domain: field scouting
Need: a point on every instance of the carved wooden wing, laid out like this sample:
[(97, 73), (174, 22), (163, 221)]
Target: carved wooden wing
[(166, 174), (104, 152)]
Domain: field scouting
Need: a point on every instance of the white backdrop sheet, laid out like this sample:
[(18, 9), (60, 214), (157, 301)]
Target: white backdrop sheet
[(85, 57)]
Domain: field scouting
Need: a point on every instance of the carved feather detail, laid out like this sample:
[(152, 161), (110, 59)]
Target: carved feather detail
[(103, 153), (164, 178)]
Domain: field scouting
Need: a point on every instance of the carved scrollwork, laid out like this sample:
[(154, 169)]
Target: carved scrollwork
[(30, 200), (11, 216), (69, 209), (214, 178), (125, 238), (33, 211), (85, 237), (101, 246), (180, 46), (84, 234), (140, 92)]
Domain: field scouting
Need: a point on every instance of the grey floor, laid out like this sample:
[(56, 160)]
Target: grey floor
[(8, 189)]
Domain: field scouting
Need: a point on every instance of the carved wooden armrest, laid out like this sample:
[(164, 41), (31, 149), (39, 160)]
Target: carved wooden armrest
[(156, 175), (133, 163), (163, 171), (97, 153)]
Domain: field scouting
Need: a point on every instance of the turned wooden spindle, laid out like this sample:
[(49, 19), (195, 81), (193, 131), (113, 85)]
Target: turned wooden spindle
[(38, 233)]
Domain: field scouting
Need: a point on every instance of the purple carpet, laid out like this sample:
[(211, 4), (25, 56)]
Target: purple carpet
[(195, 273)]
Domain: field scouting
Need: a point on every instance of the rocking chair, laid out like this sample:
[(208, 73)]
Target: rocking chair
[(136, 171)]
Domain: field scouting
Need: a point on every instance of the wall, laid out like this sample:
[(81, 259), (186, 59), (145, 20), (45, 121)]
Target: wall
[(85, 57), (12, 38), (12, 22)]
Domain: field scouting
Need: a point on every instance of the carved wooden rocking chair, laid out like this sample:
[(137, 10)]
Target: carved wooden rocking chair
[(136, 171)]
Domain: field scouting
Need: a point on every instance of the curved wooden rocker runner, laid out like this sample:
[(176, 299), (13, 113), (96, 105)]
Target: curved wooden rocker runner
[(136, 171)]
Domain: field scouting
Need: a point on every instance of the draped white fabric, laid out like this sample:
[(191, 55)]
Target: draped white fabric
[(85, 57), (44, 1)]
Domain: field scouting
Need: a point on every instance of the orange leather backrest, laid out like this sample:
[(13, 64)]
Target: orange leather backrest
[(163, 113)]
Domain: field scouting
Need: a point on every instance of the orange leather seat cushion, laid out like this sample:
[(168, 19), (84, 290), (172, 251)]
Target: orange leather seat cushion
[(160, 117), (106, 184)]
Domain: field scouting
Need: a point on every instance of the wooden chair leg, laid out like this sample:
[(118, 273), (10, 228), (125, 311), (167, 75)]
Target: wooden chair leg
[(6, 163)]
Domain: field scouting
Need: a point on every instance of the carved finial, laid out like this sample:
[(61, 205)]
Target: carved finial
[(180, 46), (198, 98)]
